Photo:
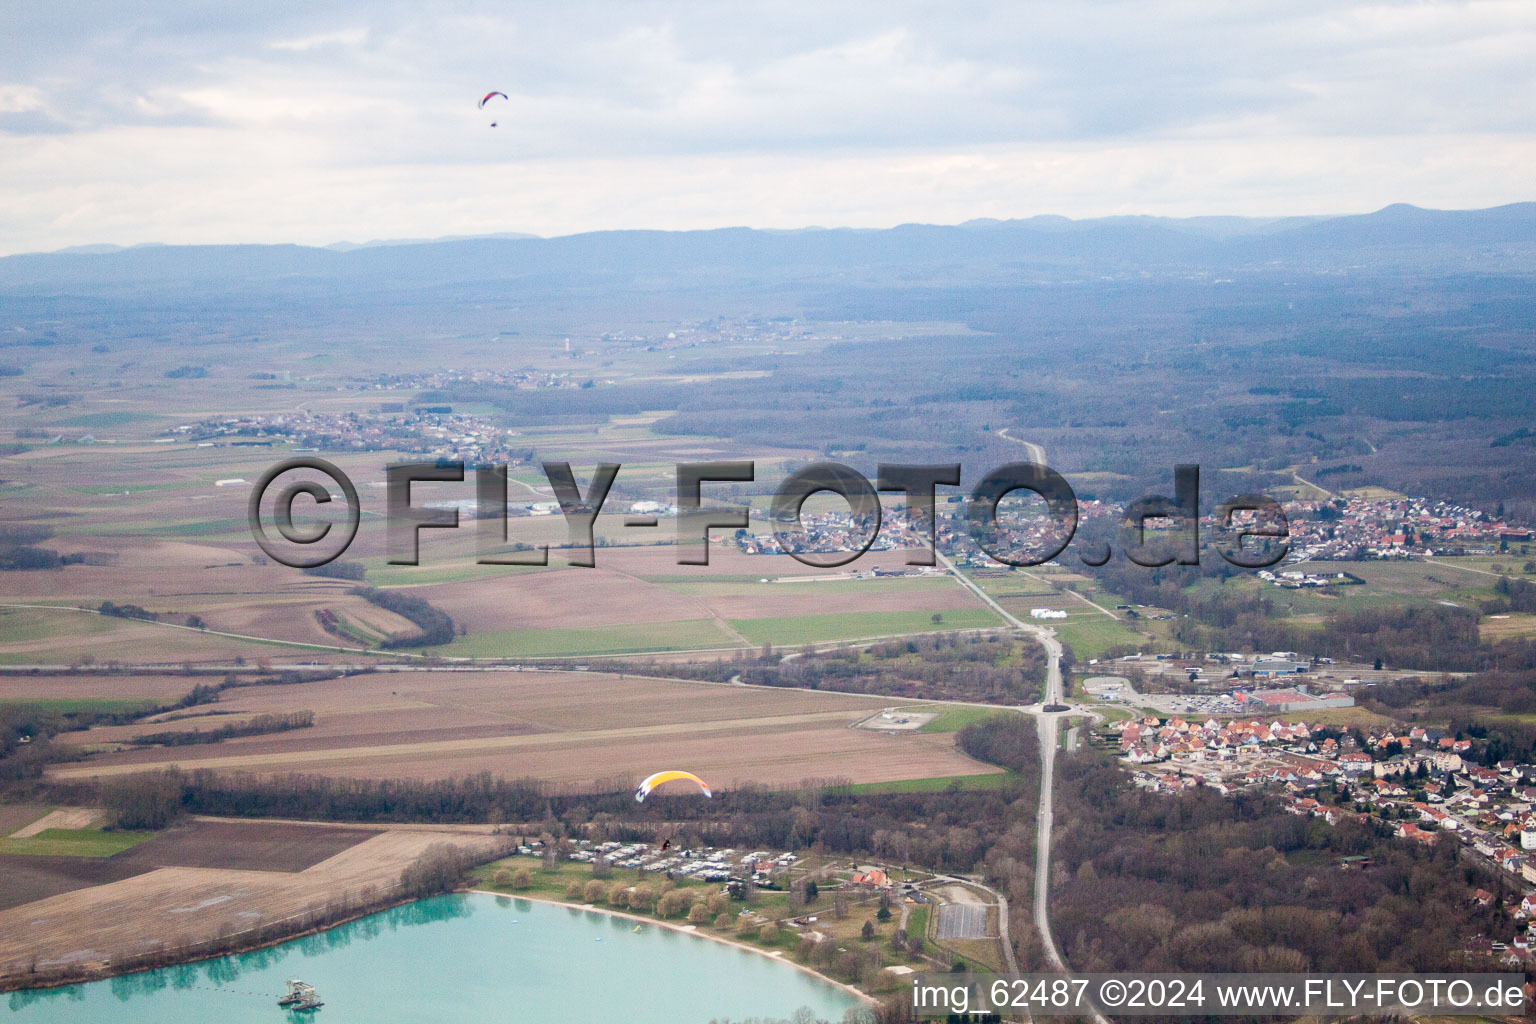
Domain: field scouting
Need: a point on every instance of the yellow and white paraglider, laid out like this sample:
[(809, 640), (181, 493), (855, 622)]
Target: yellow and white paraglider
[(660, 778)]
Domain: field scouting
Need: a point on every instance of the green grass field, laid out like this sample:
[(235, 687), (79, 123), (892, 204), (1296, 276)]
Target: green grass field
[(954, 719), (993, 780), (682, 635), (42, 623), (818, 629), (1091, 634), (715, 586), (1387, 584), (119, 418), (75, 842), (66, 629)]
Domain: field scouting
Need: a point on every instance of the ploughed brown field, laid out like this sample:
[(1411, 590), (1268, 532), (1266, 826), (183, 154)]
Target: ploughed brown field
[(571, 728), (27, 877), (196, 883), (156, 688), (205, 843)]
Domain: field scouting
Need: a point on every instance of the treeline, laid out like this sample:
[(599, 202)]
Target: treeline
[(1418, 699), (148, 800), (260, 725), (27, 730), (950, 666), (986, 832), (1514, 596), (26, 745), (1433, 637), (339, 570), (1203, 882), (442, 867), (435, 624), (127, 611), (1010, 741), (1466, 706), (957, 830), (19, 550), (941, 666)]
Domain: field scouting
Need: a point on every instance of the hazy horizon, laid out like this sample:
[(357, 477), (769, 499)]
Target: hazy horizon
[(347, 244)]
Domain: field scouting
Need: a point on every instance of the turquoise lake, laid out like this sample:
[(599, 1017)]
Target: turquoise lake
[(459, 958)]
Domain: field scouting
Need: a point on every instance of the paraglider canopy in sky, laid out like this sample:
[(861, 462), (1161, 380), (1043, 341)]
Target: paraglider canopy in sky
[(488, 97), (661, 778)]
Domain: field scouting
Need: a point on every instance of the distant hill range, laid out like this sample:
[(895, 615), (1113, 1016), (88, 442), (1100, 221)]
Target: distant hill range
[(1399, 238)]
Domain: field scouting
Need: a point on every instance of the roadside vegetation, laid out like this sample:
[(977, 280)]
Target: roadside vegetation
[(985, 667), (260, 725)]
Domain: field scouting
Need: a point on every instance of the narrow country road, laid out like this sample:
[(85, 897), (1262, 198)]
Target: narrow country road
[(1048, 724), (1036, 453)]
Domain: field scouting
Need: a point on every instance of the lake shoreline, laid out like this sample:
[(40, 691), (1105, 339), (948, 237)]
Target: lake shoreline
[(861, 995), (100, 972), (162, 959)]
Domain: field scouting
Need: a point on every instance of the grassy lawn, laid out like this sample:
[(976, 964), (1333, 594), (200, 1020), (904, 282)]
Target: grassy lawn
[(1091, 634), (551, 884), (991, 780), (1511, 563), (75, 842), (1014, 585), (978, 954), (716, 586), (1114, 712), (815, 629), (772, 905), (954, 719), (917, 921), (1386, 584), (118, 418), (17, 624), (683, 635), (67, 633)]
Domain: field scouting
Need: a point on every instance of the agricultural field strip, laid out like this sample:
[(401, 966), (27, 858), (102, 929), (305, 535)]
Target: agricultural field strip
[(691, 730), (136, 914), (64, 817), (212, 632), (793, 643), (1086, 600)]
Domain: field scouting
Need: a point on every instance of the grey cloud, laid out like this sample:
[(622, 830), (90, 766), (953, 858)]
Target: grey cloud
[(658, 78)]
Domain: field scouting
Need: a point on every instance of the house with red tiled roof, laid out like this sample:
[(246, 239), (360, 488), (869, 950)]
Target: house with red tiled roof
[(876, 878), (1408, 830)]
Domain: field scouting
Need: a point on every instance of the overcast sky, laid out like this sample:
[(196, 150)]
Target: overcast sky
[(314, 122)]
